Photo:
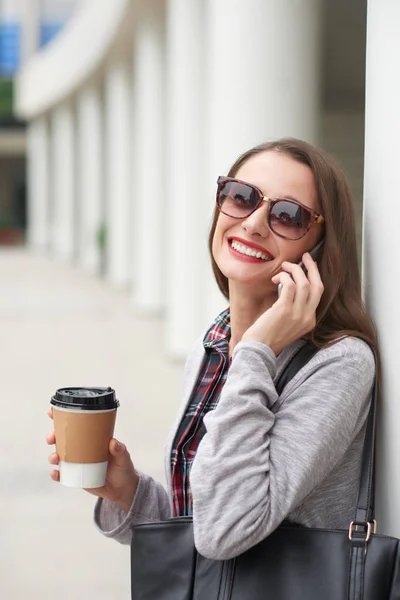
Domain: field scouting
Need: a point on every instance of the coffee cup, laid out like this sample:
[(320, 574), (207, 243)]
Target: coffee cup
[(84, 420)]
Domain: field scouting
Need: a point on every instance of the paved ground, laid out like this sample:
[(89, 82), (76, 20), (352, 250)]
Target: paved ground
[(60, 327)]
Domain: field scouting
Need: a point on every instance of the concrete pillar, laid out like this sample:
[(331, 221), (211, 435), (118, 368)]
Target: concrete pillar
[(380, 240), (91, 179), (149, 190), (262, 81), (63, 189), (118, 167), (186, 249), (38, 184)]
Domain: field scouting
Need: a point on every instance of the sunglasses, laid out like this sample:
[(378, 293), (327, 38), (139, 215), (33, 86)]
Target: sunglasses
[(287, 218)]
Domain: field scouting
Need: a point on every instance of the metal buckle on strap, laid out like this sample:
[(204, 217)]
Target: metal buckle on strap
[(369, 529)]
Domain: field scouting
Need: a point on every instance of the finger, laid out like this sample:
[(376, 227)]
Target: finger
[(55, 475), (120, 454), (54, 458), (295, 270), (116, 447), (302, 290), (288, 286), (51, 438), (314, 277), (50, 413), (95, 491)]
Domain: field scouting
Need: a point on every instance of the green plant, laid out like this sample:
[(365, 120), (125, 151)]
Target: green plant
[(7, 221), (6, 97), (102, 237)]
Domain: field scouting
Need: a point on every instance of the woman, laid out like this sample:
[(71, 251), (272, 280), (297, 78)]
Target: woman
[(241, 459)]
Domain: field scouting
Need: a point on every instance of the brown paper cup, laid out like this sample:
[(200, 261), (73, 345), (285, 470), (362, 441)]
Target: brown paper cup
[(83, 436), (82, 442), (84, 420)]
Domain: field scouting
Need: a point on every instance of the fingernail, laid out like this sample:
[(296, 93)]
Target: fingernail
[(117, 446)]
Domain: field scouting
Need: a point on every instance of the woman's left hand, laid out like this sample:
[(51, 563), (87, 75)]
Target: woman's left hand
[(294, 313)]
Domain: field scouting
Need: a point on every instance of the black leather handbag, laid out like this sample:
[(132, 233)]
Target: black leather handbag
[(293, 563)]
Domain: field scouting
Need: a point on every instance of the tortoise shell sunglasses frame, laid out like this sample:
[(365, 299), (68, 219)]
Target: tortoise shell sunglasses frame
[(315, 218)]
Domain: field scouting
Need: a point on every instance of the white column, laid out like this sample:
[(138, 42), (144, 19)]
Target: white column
[(263, 80), (63, 190), (90, 181), (118, 165), (380, 239), (148, 134), (38, 184), (30, 35), (186, 248)]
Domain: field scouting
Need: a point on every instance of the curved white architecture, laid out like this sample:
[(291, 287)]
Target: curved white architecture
[(90, 193), (150, 277), (63, 193), (118, 182), (134, 110), (60, 69), (38, 184), (132, 119)]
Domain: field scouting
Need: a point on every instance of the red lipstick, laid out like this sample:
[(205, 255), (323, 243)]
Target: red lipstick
[(245, 257)]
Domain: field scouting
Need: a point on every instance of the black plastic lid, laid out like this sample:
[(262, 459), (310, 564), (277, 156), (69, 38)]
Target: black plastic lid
[(82, 398)]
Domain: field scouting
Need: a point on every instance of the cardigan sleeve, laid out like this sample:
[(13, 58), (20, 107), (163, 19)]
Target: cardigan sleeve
[(151, 503), (256, 464)]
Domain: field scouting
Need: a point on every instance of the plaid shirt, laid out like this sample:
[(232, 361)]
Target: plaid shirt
[(204, 398)]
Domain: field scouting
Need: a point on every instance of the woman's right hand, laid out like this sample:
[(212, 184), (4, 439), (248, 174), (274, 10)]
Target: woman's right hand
[(121, 480)]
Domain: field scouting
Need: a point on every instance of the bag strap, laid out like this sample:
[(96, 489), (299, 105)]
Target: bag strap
[(365, 511), (363, 526), (298, 361)]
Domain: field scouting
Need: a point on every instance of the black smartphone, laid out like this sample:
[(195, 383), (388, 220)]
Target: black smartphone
[(315, 252)]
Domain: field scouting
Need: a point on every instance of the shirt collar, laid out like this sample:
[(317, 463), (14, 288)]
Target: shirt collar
[(219, 333)]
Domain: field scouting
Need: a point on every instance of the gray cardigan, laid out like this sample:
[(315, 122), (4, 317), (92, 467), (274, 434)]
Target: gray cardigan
[(266, 457)]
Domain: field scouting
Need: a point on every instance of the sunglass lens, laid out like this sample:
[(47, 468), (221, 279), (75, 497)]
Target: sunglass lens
[(237, 199), (289, 220)]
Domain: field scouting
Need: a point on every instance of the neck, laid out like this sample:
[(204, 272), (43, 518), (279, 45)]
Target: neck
[(245, 309)]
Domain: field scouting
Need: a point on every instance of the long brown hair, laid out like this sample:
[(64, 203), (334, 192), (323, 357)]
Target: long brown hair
[(341, 311)]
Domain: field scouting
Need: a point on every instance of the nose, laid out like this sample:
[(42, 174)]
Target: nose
[(256, 224)]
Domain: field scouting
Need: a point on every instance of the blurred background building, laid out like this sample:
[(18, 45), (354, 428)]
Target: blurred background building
[(132, 109), (26, 26)]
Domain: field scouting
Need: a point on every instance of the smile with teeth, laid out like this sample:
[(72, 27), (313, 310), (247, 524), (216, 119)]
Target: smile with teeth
[(249, 251)]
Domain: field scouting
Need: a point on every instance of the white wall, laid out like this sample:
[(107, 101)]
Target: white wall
[(381, 247)]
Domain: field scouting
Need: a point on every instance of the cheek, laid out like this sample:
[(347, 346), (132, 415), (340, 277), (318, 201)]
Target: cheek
[(292, 251), (217, 242), (218, 234)]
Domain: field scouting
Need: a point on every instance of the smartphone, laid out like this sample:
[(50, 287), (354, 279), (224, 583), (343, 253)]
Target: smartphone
[(315, 252)]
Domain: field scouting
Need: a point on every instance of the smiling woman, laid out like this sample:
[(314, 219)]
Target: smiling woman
[(293, 169), (245, 454)]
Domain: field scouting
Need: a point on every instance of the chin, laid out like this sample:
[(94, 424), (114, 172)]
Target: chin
[(243, 276)]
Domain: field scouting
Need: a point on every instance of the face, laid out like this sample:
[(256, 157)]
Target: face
[(276, 175)]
